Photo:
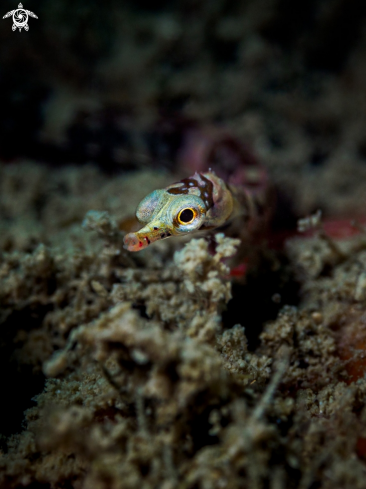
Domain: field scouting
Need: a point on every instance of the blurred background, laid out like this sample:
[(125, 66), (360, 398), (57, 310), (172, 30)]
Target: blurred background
[(116, 83)]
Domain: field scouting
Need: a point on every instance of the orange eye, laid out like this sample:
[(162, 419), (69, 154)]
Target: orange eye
[(186, 216)]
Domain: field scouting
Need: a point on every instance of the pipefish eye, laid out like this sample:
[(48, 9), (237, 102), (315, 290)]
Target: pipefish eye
[(187, 215)]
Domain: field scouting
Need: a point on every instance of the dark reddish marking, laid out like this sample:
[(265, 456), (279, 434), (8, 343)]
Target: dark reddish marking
[(140, 244), (162, 236), (168, 234), (183, 189), (206, 189), (147, 239), (155, 229)]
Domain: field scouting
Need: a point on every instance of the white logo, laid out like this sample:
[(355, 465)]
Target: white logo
[(20, 17)]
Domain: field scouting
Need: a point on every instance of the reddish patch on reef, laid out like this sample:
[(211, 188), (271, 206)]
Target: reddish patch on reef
[(343, 228), (352, 346), (361, 448), (239, 271), (140, 244)]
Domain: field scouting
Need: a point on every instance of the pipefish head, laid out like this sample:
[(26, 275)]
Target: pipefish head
[(166, 214), (200, 202)]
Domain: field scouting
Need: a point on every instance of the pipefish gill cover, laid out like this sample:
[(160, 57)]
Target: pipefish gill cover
[(232, 353)]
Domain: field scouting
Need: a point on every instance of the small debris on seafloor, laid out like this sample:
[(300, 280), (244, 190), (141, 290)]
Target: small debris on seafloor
[(310, 222)]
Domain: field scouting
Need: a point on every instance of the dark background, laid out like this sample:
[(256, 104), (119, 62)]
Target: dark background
[(107, 82)]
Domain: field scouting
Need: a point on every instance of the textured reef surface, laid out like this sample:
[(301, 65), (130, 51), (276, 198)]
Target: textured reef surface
[(156, 368), (180, 366)]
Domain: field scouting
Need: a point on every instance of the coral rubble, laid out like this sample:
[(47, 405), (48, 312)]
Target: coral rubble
[(136, 378)]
